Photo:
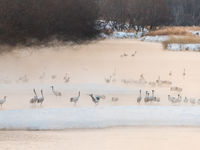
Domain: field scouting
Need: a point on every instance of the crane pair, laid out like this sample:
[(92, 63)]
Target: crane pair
[(95, 98), (37, 99)]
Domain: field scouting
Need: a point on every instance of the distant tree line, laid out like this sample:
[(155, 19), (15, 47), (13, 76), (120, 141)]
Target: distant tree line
[(32, 21), (151, 12)]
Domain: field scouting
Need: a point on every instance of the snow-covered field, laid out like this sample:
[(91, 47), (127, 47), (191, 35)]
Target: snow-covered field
[(123, 35), (99, 117), (114, 27), (89, 67), (103, 25), (182, 47), (154, 38)]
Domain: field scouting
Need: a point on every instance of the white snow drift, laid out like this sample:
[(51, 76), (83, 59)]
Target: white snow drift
[(155, 38), (180, 47), (197, 33), (99, 117), (123, 35)]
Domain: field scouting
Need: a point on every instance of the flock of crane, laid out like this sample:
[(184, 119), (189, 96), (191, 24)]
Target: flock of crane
[(174, 100), (40, 100), (148, 98), (25, 79), (179, 99)]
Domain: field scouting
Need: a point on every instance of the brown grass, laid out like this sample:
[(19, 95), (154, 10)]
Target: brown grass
[(173, 31), (182, 40)]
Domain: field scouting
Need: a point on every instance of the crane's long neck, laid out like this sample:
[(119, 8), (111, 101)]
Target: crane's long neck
[(79, 94), (35, 92), (42, 94), (53, 90)]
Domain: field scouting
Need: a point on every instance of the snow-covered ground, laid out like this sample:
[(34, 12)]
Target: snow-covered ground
[(197, 33), (119, 31), (135, 35), (155, 38), (88, 66), (123, 35), (99, 117), (180, 47)]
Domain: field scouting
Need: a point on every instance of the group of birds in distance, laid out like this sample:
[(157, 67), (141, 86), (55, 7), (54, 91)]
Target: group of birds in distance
[(149, 97), (172, 99), (36, 99), (40, 100)]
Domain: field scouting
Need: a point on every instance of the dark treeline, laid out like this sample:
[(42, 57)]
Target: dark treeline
[(151, 12), (32, 21), (36, 21)]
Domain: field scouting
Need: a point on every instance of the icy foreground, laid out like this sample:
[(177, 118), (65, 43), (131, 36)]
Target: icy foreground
[(99, 117)]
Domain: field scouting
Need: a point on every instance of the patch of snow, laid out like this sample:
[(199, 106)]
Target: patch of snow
[(139, 34), (103, 35), (119, 30), (145, 30), (197, 33), (99, 117), (179, 47), (108, 27), (155, 38), (122, 35)]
